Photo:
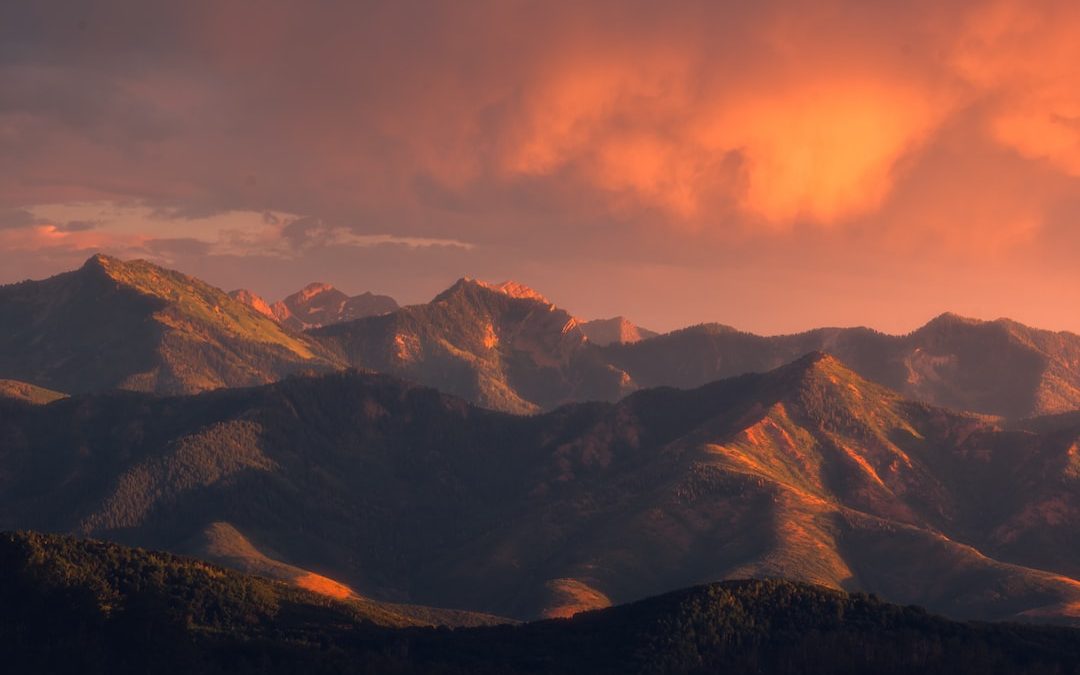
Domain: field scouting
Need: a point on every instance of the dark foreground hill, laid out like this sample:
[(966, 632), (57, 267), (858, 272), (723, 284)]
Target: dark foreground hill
[(69, 606), (404, 494)]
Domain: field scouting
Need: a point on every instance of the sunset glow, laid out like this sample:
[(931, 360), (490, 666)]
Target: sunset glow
[(847, 163)]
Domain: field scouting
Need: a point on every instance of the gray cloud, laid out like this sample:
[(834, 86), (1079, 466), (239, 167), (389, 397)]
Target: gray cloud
[(15, 218)]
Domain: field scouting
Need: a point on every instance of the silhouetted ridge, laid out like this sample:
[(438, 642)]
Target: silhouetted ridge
[(87, 607)]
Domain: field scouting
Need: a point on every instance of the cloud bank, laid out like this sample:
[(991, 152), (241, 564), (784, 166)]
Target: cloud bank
[(893, 146)]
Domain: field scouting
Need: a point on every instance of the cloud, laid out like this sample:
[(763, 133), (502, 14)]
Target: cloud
[(1026, 57), (626, 134), (683, 113), (78, 226), (16, 218)]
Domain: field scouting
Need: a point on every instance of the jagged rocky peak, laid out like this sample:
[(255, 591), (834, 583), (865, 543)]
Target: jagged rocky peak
[(518, 290), (321, 304), (512, 289), (252, 300), (314, 289)]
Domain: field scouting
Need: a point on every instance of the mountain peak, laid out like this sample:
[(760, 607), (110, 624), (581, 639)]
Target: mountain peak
[(817, 358), (315, 288), (321, 304), (517, 290), (511, 289), (103, 264), (819, 368), (100, 260), (143, 327), (951, 319)]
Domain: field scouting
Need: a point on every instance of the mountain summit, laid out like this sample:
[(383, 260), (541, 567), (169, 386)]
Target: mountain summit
[(320, 304), (511, 351), (516, 290), (134, 325)]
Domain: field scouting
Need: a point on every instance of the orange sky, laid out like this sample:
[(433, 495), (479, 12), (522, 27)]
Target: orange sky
[(774, 167)]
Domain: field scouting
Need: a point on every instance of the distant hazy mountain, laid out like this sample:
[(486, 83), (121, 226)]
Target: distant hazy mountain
[(86, 607), (133, 325), (320, 304), (518, 352), (808, 472), (617, 329), (998, 367)]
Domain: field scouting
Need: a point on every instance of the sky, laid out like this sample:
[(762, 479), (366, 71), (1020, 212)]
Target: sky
[(774, 166)]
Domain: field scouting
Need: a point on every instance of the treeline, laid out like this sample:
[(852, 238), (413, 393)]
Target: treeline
[(88, 607)]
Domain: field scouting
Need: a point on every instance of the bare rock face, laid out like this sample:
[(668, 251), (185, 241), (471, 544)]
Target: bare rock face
[(515, 289), (252, 300)]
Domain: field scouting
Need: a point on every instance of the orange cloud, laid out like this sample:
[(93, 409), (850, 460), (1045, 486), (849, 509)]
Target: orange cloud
[(841, 139), (1025, 56), (818, 138), (823, 152)]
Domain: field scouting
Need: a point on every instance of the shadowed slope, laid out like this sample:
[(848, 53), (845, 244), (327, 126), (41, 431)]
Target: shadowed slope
[(404, 494)]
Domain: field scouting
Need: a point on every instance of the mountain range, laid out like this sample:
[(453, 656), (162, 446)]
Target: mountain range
[(134, 325), (491, 453), (407, 495), (521, 354)]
